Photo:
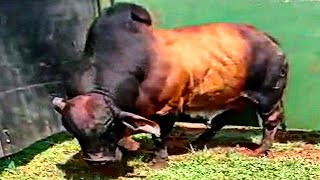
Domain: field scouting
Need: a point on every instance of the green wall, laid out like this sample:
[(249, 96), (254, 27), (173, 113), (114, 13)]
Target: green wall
[(295, 23)]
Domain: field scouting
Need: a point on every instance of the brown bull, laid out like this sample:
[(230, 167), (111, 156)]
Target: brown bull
[(206, 70), (210, 69)]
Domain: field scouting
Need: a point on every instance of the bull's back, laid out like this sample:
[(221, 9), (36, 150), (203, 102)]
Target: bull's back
[(199, 68), (217, 66)]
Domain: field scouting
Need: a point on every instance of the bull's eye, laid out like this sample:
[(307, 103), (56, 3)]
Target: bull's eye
[(107, 119), (108, 122)]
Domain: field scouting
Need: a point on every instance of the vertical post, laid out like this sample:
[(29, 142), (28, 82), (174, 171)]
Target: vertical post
[(101, 4), (1, 150), (99, 7)]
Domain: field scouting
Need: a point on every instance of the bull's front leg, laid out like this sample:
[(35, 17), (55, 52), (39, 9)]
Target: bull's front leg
[(166, 124)]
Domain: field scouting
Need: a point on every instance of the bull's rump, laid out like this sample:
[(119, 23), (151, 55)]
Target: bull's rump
[(196, 69)]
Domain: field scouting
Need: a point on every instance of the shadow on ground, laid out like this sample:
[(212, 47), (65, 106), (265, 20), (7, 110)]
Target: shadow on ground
[(76, 168)]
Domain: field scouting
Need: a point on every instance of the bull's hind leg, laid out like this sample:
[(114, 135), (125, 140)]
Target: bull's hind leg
[(266, 85), (271, 122), (214, 125)]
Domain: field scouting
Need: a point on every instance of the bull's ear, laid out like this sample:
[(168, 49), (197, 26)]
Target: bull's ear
[(59, 104), (141, 15), (138, 123)]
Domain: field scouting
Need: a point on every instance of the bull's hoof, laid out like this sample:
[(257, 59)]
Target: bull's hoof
[(255, 153), (260, 153), (160, 160), (158, 163), (198, 145), (161, 154), (129, 144)]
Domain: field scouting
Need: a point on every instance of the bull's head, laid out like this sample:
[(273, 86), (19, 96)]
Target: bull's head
[(96, 122), (98, 125)]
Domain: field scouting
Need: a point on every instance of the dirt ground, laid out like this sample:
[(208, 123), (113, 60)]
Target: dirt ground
[(63, 158), (303, 144), (287, 144)]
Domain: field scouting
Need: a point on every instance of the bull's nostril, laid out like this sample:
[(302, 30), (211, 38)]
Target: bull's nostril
[(99, 159)]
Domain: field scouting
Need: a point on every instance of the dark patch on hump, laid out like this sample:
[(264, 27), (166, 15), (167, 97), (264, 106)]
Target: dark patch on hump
[(138, 14), (118, 45)]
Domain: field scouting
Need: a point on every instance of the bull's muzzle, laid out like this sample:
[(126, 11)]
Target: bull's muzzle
[(102, 159)]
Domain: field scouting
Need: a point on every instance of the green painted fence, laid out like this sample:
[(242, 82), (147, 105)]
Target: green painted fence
[(296, 23)]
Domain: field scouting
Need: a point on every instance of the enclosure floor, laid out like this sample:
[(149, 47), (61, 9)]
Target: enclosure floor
[(60, 157)]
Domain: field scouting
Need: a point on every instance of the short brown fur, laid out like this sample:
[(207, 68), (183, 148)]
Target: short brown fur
[(197, 68)]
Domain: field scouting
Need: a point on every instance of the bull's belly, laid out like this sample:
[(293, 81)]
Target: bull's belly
[(208, 106), (206, 114)]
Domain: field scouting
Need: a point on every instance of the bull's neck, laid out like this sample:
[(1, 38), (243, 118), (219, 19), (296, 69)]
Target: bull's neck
[(105, 93), (102, 91)]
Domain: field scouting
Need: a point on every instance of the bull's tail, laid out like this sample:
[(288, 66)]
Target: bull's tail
[(283, 123), (273, 39)]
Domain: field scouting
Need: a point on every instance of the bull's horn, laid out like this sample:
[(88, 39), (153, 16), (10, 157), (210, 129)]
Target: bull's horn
[(139, 123), (59, 103)]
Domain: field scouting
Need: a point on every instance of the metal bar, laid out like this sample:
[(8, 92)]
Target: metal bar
[(2, 93)]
